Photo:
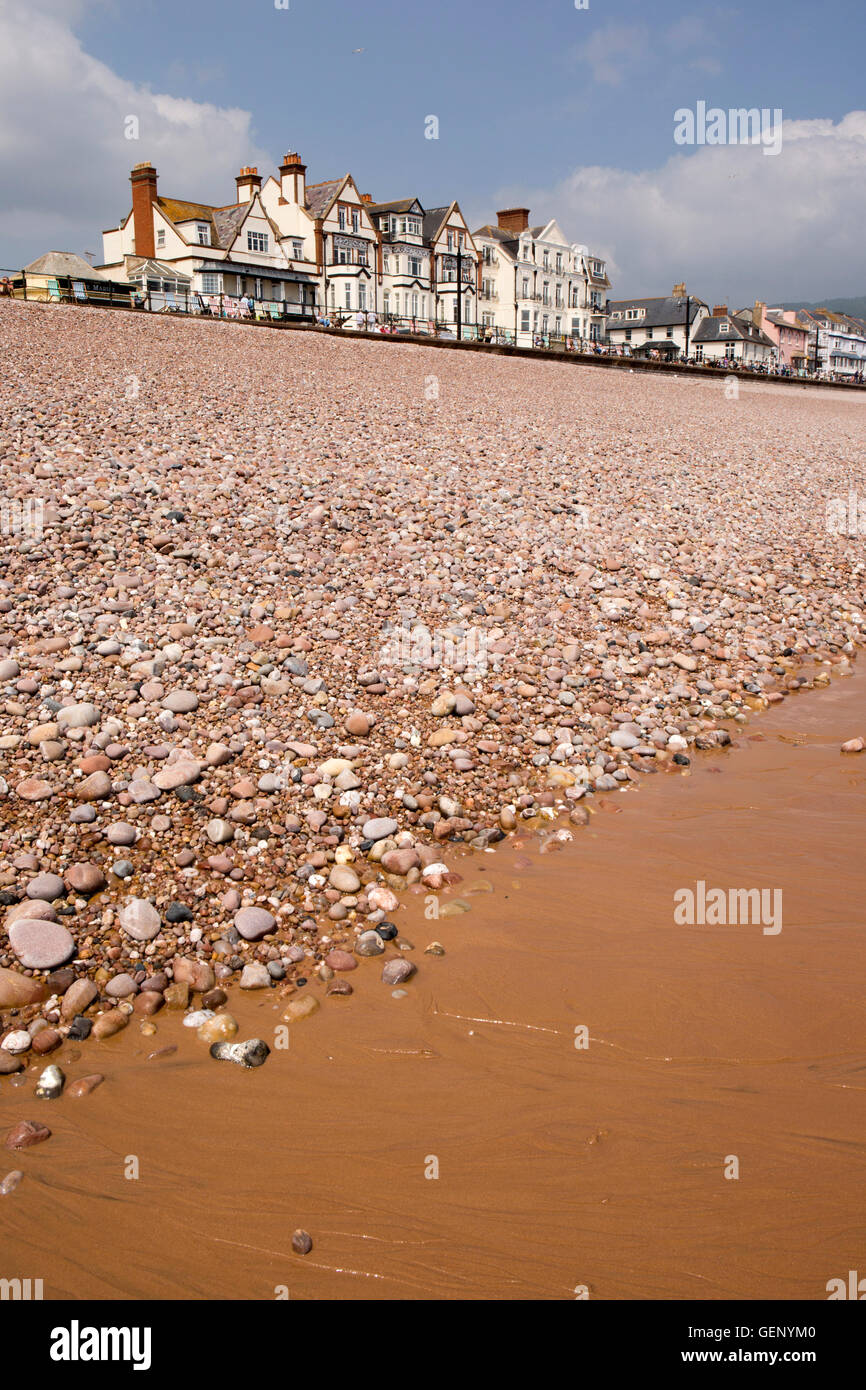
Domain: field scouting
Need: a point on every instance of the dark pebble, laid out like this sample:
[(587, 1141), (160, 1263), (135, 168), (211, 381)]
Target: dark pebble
[(80, 1029), (59, 981), (302, 1242), (178, 912)]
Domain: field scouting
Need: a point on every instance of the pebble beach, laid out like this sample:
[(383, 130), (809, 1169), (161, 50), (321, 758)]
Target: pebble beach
[(290, 620)]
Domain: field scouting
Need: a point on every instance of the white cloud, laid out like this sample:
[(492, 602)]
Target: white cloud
[(731, 223), (64, 159), (618, 51), (612, 52)]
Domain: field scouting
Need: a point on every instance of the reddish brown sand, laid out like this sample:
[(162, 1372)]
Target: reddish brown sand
[(558, 1167)]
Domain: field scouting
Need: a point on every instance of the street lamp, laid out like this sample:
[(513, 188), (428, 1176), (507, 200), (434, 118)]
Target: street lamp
[(688, 303)]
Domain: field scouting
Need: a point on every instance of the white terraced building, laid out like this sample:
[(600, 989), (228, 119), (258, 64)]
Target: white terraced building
[(404, 260), (537, 285), (257, 247), (296, 249)]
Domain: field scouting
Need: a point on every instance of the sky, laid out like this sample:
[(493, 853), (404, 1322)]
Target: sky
[(569, 111)]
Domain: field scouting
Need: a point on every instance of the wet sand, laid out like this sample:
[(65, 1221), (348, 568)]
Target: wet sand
[(558, 1167)]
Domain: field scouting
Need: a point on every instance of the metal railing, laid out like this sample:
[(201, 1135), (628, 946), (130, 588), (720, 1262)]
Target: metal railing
[(375, 322), (222, 306), (187, 302)]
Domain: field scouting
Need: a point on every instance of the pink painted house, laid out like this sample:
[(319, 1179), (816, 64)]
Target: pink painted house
[(787, 334)]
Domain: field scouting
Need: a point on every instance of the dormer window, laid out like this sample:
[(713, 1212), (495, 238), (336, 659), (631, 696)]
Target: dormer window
[(298, 250), (257, 241), (203, 233)]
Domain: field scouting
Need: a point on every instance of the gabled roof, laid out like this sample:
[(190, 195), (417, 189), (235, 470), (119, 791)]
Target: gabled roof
[(663, 312), (777, 316), (740, 326), (224, 222), (321, 196), (62, 265), (434, 220), (505, 238), (178, 210), (401, 205), (228, 222)]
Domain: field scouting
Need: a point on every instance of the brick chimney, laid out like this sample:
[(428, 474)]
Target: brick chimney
[(758, 313), (366, 197), (513, 220), (720, 311), (249, 182), (293, 180), (679, 291), (143, 180)]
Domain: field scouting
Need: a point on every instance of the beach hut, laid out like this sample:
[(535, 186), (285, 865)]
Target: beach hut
[(62, 276)]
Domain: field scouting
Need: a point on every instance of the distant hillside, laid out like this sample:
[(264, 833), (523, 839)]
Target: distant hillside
[(856, 305)]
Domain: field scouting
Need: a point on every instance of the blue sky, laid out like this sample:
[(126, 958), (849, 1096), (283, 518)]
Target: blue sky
[(570, 111)]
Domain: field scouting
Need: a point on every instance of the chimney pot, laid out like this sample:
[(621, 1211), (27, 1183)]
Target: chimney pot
[(293, 180), (248, 182)]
